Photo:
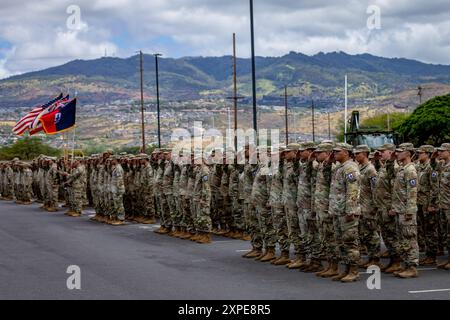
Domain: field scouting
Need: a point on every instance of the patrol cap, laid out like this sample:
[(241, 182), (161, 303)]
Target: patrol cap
[(324, 147), (108, 151), (371, 155), (16, 159), (361, 148), (123, 154), (307, 145), (292, 147), (156, 150), (444, 147), (405, 147), (343, 146), (426, 148), (386, 146)]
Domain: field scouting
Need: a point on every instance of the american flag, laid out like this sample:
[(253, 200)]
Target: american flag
[(24, 124), (36, 126)]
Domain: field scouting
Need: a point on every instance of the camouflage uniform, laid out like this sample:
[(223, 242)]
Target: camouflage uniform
[(117, 192), (444, 198), (236, 199), (226, 219), (252, 224), (189, 218), (160, 199), (216, 196), (345, 209), (147, 190), (77, 182), (9, 174), (186, 218), (369, 228), (27, 181), (202, 199), (177, 215), (260, 199), (290, 180), (52, 185), (167, 194), (427, 222), (404, 204), (278, 212), (321, 200)]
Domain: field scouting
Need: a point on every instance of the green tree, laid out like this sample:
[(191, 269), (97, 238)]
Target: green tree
[(27, 149), (429, 123)]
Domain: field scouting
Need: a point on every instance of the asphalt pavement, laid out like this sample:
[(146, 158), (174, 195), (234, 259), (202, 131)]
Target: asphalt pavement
[(132, 262)]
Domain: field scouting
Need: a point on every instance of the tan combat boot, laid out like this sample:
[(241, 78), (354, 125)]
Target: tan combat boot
[(269, 256), (238, 234), (332, 271), (282, 260), (205, 238), (297, 263), (445, 264), (162, 230), (319, 273), (395, 266), (246, 237), (315, 265), (410, 272), (76, 214), (254, 253), (341, 275), (428, 261), (352, 275), (117, 222), (373, 262), (52, 209)]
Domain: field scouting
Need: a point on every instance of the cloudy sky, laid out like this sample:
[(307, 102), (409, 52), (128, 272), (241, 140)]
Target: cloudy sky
[(39, 34)]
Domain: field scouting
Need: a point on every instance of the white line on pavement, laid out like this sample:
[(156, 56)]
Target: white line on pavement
[(242, 250), (426, 291)]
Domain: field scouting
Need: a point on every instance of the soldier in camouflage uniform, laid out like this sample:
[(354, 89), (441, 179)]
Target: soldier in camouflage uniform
[(238, 224), (324, 238), (250, 217), (8, 181), (404, 206), (27, 181), (177, 215), (260, 197), (444, 196), (117, 188), (217, 199), (383, 201), (278, 212), (161, 200), (76, 182), (202, 202), (345, 209), (226, 218), (369, 228), (186, 225), (52, 185), (310, 246), (147, 190), (427, 223), (167, 192), (289, 195)]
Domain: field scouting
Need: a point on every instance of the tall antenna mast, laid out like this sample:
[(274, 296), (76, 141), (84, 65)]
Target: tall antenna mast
[(345, 110)]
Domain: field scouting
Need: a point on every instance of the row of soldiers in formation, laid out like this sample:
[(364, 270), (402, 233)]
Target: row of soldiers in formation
[(329, 201)]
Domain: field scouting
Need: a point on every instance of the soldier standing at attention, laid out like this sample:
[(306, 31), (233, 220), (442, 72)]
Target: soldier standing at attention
[(324, 236), (444, 196), (290, 185), (345, 209), (52, 185), (278, 213), (427, 187), (27, 182), (202, 202), (369, 229), (77, 184), (260, 199), (117, 192), (404, 207), (147, 190)]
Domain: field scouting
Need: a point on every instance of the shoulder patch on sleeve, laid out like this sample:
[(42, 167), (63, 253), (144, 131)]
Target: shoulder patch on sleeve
[(373, 179), (434, 174), (412, 182), (205, 178), (351, 177)]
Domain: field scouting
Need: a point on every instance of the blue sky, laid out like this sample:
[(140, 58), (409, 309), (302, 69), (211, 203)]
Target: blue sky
[(35, 34)]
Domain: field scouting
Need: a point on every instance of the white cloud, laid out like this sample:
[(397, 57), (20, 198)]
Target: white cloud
[(37, 29)]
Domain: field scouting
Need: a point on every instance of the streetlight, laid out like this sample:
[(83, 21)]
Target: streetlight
[(156, 55)]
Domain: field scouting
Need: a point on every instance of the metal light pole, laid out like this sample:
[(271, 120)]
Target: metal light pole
[(157, 97), (255, 124), (313, 121), (142, 100)]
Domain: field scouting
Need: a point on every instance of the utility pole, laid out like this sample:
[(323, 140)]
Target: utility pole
[(235, 97), (313, 121), (329, 127), (157, 97), (142, 100), (420, 93), (345, 111), (252, 33), (286, 115)]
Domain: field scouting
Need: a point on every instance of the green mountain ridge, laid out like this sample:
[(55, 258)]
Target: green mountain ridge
[(319, 76)]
